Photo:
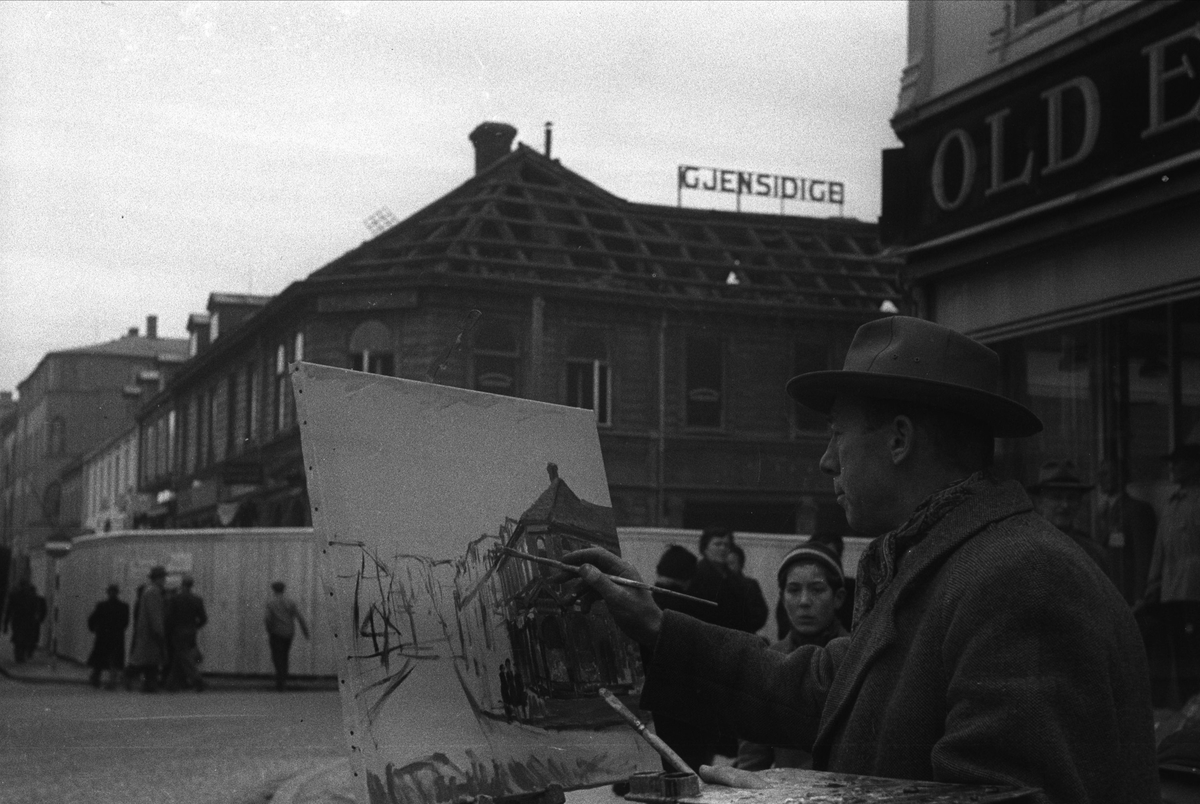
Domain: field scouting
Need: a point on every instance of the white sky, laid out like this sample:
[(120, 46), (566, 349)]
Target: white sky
[(153, 153)]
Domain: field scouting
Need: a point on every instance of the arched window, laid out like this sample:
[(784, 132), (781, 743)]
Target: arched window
[(496, 359), (371, 349), (588, 381)]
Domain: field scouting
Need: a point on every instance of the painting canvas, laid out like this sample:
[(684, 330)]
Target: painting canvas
[(465, 670)]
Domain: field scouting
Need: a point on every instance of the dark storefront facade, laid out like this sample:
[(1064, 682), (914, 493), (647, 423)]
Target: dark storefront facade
[(1050, 207)]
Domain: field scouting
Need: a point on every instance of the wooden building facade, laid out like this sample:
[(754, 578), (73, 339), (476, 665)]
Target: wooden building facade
[(678, 327)]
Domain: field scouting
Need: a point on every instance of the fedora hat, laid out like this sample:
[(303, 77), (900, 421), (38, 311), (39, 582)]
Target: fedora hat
[(1059, 475), (913, 360)]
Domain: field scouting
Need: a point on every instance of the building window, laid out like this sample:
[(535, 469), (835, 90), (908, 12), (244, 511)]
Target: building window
[(588, 383), (808, 357), (496, 359), (250, 407), (56, 441), (705, 373), (1025, 10), (371, 349), (171, 434), (210, 426), (281, 387), (231, 419), (186, 423)]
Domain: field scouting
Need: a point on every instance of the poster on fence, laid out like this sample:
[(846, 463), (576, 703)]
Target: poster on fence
[(465, 668)]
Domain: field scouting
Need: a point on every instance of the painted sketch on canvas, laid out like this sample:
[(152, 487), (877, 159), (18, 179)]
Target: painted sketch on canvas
[(466, 670)]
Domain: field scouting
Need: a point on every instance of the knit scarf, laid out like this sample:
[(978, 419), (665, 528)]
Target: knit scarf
[(880, 561)]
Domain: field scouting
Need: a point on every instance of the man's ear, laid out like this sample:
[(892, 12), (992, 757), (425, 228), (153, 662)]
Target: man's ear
[(901, 439)]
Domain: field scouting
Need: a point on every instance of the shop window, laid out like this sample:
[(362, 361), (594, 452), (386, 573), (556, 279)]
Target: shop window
[(808, 357), (371, 349), (588, 384), (705, 382), (496, 359)]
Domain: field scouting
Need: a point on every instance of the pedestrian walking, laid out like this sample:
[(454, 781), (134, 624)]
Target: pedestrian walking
[(282, 617), (149, 651), (24, 614), (108, 621), (185, 617)]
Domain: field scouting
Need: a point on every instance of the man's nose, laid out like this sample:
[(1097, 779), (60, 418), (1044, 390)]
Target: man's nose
[(828, 462)]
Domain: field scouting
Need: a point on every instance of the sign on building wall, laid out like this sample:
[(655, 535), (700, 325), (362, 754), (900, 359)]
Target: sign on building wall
[(1123, 109), (759, 185), (466, 671)]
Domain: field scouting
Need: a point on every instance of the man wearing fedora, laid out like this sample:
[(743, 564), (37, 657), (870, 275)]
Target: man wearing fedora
[(985, 647), (1058, 496), (1174, 580)]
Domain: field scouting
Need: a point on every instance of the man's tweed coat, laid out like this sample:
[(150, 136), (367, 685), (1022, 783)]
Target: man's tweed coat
[(1000, 654)]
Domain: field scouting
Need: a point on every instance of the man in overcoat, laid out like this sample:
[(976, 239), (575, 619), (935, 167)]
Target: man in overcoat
[(108, 622), (149, 651), (185, 617), (986, 648)]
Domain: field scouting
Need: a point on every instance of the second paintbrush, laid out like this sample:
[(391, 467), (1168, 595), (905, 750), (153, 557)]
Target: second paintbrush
[(550, 562)]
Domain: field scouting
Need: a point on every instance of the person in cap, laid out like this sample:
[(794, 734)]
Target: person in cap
[(985, 647), (1058, 496), (811, 590), (1174, 580), (149, 651)]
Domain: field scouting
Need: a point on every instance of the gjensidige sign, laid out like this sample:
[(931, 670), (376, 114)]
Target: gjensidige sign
[(763, 185)]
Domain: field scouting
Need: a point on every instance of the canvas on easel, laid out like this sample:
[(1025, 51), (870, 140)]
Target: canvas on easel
[(464, 670)]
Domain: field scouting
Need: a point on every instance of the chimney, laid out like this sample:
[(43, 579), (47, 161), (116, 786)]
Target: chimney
[(549, 132), (152, 327), (492, 141), (133, 332)]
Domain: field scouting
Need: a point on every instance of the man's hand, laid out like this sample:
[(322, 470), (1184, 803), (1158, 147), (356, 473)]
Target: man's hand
[(634, 610), (732, 777)]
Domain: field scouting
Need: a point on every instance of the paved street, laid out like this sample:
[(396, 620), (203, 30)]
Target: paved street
[(62, 741), (239, 742)]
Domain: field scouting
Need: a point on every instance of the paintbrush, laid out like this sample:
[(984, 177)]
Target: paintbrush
[(655, 741), (617, 579)]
